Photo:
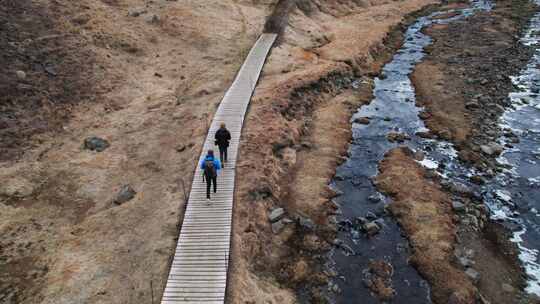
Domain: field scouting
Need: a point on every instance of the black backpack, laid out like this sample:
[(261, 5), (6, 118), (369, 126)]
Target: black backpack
[(209, 168)]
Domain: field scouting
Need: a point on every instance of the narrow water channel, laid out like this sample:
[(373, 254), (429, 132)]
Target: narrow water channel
[(393, 109)]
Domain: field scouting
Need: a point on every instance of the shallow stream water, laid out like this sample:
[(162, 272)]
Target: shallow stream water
[(393, 109)]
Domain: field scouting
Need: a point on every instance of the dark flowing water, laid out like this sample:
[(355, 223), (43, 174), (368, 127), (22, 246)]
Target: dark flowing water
[(393, 109)]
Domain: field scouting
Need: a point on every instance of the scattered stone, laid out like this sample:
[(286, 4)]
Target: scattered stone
[(136, 12), (125, 194), (181, 148), (473, 275), (50, 70), (458, 188), (387, 118), (287, 221), (361, 221), (425, 135), (397, 137), (492, 149), (277, 227), (306, 223), (465, 262), (477, 179), (471, 105), (376, 198), (96, 144), (372, 228), (508, 288), (21, 75), (362, 120), (370, 215), (458, 207), (276, 215)]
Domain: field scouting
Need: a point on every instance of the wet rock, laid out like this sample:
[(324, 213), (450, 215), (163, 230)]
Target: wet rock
[(397, 137), (419, 155), (477, 179), (362, 120), (276, 215), (458, 207), (471, 105), (361, 221), (96, 144), (21, 75), (333, 287), (277, 227), (154, 19), (465, 262), (372, 228), (370, 215), (457, 188), (376, 198), (492, 149), (428, 135), (473, 275), (125, 194)]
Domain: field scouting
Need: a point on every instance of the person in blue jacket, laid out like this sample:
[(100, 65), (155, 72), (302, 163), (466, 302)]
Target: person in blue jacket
[(210, 166)]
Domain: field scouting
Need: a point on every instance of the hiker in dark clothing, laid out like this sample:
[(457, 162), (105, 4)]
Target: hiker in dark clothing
[(210, 167), (222, 141)]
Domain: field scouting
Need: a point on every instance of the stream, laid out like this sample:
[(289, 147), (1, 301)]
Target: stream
[(514, 195), (393, 109)]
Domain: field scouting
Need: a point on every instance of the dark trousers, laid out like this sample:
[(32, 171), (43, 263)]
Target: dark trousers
[(223, 154), (209, 181)]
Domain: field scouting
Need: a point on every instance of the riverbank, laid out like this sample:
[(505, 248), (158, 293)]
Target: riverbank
[(296, 134)]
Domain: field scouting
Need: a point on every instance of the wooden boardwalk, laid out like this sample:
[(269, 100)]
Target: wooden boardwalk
[(199, 270)]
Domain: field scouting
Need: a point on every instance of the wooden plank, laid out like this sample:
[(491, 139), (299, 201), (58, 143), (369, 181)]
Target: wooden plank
[(198, 272)]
